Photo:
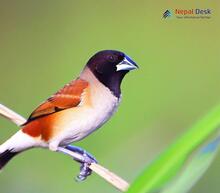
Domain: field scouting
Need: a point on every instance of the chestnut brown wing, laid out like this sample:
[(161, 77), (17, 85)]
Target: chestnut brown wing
[(67, 97)]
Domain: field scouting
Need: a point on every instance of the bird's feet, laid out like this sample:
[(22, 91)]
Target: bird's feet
[(85, 159)]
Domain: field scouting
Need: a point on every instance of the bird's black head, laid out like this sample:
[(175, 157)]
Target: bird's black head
[(110, 67)]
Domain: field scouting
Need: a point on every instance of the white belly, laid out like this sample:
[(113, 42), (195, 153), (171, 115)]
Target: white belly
[(88, 120), (95, 118), (85, 119)]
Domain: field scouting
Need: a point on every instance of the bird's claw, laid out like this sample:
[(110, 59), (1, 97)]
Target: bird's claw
[(85, 171), (86, 160)]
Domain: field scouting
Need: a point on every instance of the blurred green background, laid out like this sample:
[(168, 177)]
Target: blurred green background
[(45, 43)]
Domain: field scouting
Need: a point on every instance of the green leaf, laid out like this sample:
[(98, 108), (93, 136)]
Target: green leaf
[(194, 169), (169, 163)]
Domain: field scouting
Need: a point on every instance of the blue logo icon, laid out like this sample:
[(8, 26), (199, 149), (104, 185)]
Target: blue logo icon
[(167, 14)]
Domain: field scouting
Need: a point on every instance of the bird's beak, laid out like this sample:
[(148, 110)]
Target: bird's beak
[(127, 64)]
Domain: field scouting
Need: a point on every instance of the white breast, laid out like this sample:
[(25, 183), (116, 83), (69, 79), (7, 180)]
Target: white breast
[(103, 105), (89, 118)]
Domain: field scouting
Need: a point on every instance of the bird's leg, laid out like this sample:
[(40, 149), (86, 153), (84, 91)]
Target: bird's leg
[(81, 156), (82, 152), (85, 162)]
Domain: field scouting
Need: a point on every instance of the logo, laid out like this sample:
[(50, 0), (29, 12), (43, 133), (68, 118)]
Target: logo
[(192, 13), (167, 14)]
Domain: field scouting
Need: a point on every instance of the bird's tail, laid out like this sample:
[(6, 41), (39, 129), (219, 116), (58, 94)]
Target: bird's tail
[(5, 157), (16, 144)]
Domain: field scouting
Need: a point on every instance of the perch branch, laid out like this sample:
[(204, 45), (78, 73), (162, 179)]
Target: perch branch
[(107, 175)]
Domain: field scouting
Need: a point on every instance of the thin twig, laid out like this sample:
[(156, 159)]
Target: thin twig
[(107, 175), (11, 115)]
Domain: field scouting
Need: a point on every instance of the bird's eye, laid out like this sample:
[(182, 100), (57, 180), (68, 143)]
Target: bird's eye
[(111, 58)]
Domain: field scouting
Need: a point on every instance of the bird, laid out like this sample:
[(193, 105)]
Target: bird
[(76, 110)]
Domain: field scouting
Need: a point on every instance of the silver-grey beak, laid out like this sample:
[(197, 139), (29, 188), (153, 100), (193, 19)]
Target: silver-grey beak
[(126, 64)]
